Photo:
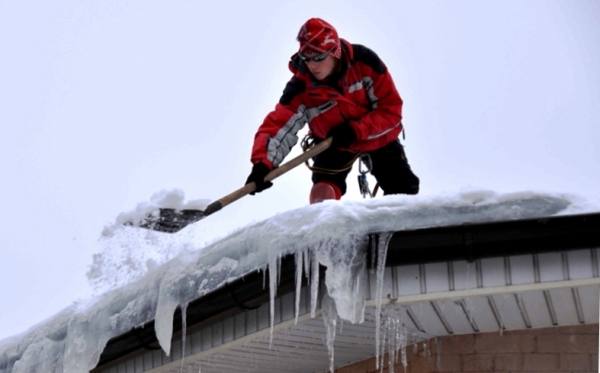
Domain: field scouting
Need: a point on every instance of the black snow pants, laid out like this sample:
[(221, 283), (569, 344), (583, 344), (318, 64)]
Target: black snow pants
[(390, 169)]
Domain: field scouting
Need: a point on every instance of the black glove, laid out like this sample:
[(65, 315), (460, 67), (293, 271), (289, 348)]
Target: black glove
[(343, 135), (259, 171)]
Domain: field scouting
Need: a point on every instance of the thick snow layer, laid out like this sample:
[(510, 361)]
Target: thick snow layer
[(329, 233)]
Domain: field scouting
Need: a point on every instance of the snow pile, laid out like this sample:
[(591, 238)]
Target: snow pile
[(331, 233), (174, 199), (126, 255)]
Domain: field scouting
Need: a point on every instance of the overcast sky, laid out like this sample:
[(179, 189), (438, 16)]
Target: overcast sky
[(103, 103)]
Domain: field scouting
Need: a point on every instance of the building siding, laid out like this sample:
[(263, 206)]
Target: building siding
[(558, 349)]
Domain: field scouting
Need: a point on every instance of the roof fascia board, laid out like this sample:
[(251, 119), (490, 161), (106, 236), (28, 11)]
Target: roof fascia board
[(485, 240)]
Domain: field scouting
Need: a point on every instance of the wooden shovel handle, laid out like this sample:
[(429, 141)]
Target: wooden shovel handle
[(251, 187)]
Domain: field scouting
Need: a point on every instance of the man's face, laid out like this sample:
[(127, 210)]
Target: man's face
[(321, 65)]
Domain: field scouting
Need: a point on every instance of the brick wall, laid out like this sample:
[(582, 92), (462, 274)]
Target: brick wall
[(561, 349)]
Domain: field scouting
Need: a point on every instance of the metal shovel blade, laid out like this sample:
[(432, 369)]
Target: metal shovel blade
[(170, 220)]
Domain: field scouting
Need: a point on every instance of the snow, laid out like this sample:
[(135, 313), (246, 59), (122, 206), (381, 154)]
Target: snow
[(164, 199), (156, 272)]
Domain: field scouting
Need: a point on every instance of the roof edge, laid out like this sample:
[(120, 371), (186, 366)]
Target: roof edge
[(460, 242)]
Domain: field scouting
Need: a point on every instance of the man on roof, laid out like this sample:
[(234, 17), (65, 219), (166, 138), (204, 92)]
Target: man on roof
[(343, 91)]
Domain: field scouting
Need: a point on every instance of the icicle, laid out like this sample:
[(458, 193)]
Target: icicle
[(383, 343), (355, 294), (299, 261), (403, 343), (395, 347), (273, 276), (391, 345), (373, 243), (278, 269), (425, 349), (397, 341), (393, 338), (183, 332), (314, 285), (381, 241), (306, 255), (330, 319), (467, 290)]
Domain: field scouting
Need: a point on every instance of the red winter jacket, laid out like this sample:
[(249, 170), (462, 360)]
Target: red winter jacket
[(362, 93)]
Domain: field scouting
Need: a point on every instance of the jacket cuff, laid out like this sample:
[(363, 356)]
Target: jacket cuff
[(267, 163)]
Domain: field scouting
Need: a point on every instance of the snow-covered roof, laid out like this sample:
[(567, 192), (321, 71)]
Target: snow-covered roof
[(330, 234)]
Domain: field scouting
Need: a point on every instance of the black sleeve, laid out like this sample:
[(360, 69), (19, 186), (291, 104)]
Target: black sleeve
[(293, 88)]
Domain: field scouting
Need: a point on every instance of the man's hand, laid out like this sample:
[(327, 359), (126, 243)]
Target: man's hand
[(259, 171), (343, 135)]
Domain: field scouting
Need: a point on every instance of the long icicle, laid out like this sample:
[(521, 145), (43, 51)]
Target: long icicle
[(273, 277), (183, 333), (299, 261), (381, 244), (330, 319), (314, 285)]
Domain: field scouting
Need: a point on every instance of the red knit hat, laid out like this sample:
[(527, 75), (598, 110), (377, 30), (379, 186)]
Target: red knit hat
[(319, 36)]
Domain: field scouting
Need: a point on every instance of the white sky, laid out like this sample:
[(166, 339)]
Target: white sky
[(104, 103)]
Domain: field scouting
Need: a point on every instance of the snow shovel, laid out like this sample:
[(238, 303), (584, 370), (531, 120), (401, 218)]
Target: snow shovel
[(171, 220)]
